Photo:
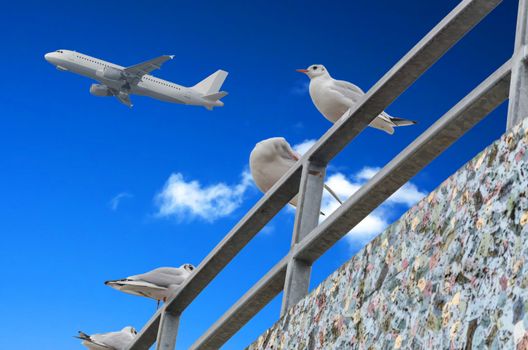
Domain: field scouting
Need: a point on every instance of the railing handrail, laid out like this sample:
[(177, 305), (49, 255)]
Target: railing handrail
[(421, 57)]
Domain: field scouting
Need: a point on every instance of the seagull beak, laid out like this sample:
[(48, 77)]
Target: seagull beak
[(302, 70), (295, 156)]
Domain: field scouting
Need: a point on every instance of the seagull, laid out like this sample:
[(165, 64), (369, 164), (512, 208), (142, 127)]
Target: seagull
[(334, 97), (106, 341), (272, 158), (158, 284)]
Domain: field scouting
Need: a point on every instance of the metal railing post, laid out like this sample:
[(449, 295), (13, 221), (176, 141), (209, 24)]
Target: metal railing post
[(518, 105), (306, 219), (168, 330)]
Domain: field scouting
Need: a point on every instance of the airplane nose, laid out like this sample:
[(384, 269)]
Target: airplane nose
[(51, 57)]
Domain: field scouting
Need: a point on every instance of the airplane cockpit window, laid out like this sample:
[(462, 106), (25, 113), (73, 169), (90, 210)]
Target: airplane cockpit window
[(59, 51)]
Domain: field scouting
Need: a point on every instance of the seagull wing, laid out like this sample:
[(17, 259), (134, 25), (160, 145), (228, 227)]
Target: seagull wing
[(176, 271), (162, 279), (116, 340), (386, 118), (96, 340), (348, 90)]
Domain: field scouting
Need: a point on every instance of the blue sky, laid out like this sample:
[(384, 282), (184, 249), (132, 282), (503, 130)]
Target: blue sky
[(81, 176)]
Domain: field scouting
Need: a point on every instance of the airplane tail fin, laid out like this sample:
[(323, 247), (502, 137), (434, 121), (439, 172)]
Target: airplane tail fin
[(212, 84)]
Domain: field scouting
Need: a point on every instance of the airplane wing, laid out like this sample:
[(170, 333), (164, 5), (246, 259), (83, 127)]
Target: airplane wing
[(135, 72)]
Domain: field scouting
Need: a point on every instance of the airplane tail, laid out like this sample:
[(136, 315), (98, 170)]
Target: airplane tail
[(212, 84)]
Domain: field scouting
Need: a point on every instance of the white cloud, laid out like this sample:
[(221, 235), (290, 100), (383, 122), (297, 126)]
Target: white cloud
[(408, 194), (114, 202), (189, 199), (380, 218), (367, 173), (304, 146)]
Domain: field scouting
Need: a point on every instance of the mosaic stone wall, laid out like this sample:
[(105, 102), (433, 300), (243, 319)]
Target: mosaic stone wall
[(451, 273)]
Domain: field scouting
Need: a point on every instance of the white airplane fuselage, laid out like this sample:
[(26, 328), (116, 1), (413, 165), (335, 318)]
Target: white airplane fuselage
[(147, 85)]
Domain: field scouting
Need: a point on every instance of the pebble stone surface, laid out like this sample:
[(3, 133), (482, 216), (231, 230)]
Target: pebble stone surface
[(451, 273)]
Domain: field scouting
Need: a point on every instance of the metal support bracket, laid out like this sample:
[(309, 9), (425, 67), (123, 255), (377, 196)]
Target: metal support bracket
[(168, 330), (518, 104), (310, 195)]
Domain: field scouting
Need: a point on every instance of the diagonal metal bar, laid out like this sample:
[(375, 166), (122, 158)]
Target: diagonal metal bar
[(451, 29), (147, 336), (244, 309), (462, 117)]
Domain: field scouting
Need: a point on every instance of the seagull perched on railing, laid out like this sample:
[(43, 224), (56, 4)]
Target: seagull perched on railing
[(334, 97), (108, 341), (158, 284), (272, 158)]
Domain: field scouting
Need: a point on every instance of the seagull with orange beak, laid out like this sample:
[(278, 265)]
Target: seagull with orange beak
[(334, 97), (270, 160)]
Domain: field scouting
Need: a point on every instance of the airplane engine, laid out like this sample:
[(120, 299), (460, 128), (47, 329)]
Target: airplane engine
[(100, 90), (110, 73)]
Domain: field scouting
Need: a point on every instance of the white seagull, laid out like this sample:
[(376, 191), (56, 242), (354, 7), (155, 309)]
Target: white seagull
[(270, 160), (158, 284), (334, 97), (105, 341)]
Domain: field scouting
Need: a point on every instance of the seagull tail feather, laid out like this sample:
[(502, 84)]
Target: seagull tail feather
[(402, 122), (82, 336)]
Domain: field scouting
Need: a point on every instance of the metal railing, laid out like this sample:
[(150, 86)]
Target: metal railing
[(310, 240)]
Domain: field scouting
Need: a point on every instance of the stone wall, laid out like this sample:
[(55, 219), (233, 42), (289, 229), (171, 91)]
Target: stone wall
[(451, 273)]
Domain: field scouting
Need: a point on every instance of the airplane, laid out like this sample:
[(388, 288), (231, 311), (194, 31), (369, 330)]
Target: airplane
[(121, 82)]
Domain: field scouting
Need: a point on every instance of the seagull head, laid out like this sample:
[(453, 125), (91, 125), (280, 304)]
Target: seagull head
[(188, 267), (314, 71), (273, 148), (130, 330)]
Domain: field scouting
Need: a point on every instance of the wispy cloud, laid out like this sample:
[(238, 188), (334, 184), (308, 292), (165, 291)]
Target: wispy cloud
[(189, 199), (300, 87), (114, 202)]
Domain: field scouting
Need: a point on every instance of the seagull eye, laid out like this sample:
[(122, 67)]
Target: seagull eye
[(314, 68)]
